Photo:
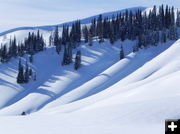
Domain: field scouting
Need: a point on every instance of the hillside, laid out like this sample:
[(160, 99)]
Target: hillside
[(68, 84), (83, 21), (107, 94), (138, 99)]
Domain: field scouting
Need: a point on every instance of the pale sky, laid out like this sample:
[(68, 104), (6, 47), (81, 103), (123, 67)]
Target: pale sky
[(17, 13)]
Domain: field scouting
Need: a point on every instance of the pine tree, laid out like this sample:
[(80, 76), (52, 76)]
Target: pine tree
[(163, 36), (140, 40), (3, 53), (65, 35), (13, 46), (111, 35), (77, 60), (69, 53), (121, 53), (57, 40), (173, 35), (58, 47), (100, 29), (135, 48), (93, 27), (26, 74), (178, 19), (20, 77), (172, 17), (30, 72), (50, 40), (85, 34), (167, 19), (31, 58), (65, 56), (90, 37), (34, 76), (21, 49)]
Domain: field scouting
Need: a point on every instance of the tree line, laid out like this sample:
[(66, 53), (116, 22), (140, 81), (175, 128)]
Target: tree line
[(147, 29), (31, 45), (69, 40)]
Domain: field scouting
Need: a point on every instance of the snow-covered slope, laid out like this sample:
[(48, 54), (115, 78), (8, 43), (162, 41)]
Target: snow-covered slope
[(134, 99), (53, 80), (69, 85), (83, 21), (133, 95)]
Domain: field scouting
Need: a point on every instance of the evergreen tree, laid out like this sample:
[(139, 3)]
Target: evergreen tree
[(75, 34), (67, 57), (65, 35), (30, 72), (173, 35), (58, 47), (56, 36), (172, 17), (4, 53), (69, 53), (100, 29), (34, 76), (90, 37), (26, 74), (178, 19), (20, 77), (163, 36), (93, 27), (50, 40), (121, 53), (161, 17), (85, 34), (57, 40), (13, 48), (21, 50), (135, 48), (31, 58), (111, 35), (77, 60)]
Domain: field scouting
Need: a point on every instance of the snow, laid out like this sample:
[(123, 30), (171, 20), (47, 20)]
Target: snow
[(118, 97), (83, 21), (106, 95)]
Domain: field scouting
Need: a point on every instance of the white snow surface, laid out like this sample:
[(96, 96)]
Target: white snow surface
[(105, 96)]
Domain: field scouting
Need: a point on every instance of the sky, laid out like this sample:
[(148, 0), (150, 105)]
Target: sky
[(18, 13)]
